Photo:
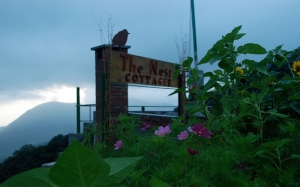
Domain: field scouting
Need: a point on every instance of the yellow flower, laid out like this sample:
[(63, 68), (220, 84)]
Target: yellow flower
[(239, 70), (296, 67)]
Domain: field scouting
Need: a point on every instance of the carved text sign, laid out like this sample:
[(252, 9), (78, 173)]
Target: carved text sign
[(133, 69)]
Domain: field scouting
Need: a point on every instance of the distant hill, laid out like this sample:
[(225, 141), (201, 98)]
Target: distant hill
[(37, 126)]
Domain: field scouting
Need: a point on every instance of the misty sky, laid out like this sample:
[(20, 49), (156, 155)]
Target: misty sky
[(45, 45)]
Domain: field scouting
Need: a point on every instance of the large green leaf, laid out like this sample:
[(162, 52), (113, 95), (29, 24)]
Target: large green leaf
[(296, 96), (116, 185), (260, 67), (218, 57), (187, 63), (182, 89), (295, 156), (80, 166), (195, 73), (251, 48), (35, 177), (253, 138), (275, 113), (121, 167), (295, 106), (272, 145), (207, 57), (208, 85), (155, 182), (233, 35), (238, 36), (190, 81), (256, 84), (218, 72), (226, 65), (249, 63), (175, 74)]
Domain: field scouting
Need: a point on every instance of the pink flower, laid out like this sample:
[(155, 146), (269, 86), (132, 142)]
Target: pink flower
[(118, 145), (145, 126), (200, 130), (192, 152), (168, 129), (183, 135), (191, 130), (162, 131)]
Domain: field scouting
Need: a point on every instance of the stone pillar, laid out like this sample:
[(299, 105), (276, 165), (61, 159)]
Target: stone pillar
[(119, 93)]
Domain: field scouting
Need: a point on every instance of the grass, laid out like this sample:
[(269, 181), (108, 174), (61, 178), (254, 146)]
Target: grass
[(227, 159)]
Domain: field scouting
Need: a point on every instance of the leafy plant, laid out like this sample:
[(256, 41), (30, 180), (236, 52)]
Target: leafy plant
[(252, 114), (273, 151), (77, 166)]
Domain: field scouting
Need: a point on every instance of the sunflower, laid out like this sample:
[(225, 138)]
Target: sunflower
[(296, 67), (239, 70)]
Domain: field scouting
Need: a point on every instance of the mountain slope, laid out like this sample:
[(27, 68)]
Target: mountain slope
[(38, 125), (45, 121)]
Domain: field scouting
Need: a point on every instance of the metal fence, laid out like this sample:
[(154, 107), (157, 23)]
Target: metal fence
[(88, 116)]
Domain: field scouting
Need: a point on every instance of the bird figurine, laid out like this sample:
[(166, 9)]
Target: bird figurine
[(120, 38)]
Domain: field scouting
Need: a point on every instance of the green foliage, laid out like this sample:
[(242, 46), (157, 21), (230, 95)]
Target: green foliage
[(77, 166), (249, 99), (251, 108), (156, 182), (29, 157), (120, 168), (35, 177)]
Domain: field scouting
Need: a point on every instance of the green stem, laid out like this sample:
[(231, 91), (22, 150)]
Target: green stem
[(181, 171), (290, 68), (279, 159), (261, 128)]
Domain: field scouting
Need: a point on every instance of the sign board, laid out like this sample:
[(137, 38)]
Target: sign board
[(127, 68)]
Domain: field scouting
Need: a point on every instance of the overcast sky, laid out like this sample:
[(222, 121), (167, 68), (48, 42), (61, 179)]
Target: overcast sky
[(45, 45)]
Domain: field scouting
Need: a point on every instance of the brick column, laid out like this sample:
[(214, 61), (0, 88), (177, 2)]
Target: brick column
[(119, 93), (119, 99)]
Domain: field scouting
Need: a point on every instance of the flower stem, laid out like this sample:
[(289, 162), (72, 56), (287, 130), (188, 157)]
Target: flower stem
[(180, 175)]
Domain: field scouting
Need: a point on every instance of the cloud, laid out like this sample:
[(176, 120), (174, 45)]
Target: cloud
[(47, 43)]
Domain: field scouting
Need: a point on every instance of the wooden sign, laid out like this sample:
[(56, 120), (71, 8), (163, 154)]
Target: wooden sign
[(134, 69)]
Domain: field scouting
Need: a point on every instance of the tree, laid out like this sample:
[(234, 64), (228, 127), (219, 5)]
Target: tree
[(29, 157)]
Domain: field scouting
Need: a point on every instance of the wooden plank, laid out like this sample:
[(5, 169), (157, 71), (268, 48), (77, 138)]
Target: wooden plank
[(127, 68)]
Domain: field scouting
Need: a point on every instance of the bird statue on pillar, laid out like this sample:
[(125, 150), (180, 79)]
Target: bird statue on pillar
[(120, 38)]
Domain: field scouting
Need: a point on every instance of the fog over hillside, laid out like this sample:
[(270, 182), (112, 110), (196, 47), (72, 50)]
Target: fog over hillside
[(38, 125)]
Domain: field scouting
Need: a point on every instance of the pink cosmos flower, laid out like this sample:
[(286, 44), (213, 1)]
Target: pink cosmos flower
[(118, 145), (192, 152), (145, 126), (162, 131), (183, 135), (168, 129), (200, 131), (191, 130)]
